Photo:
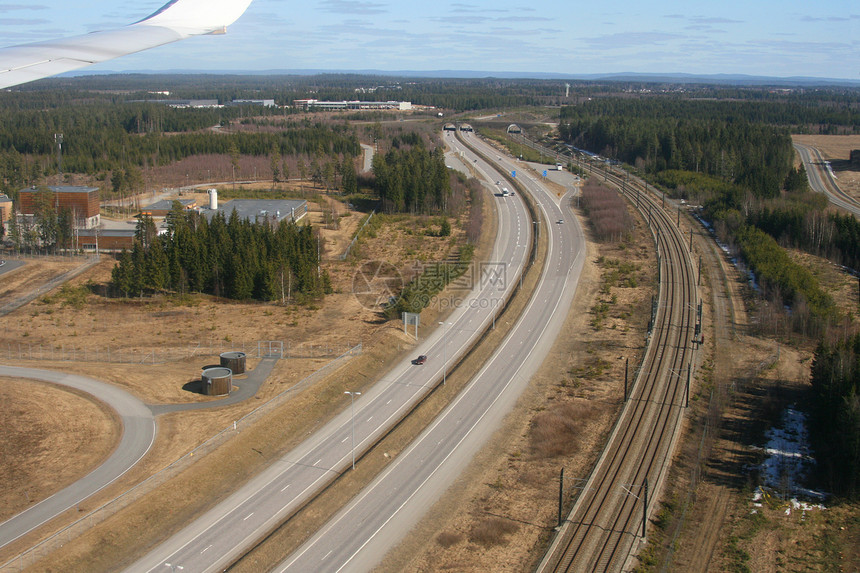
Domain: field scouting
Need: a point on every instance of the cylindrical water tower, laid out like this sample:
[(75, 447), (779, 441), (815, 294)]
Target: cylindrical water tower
[(235, 361), (213, 199), (217, 381)]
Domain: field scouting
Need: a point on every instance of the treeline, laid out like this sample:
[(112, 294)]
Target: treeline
[(810, 227), (412, 179), (791, 283), (716, 138), (798, 218), (231, 258), (99, 141), (835, 425)]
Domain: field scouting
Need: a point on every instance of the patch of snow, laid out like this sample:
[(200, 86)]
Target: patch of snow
[(788, 463)]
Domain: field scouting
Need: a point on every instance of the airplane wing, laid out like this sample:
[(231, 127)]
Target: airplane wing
[(176, 20)]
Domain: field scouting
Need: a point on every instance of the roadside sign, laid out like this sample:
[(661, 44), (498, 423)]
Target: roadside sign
[(514, 174)]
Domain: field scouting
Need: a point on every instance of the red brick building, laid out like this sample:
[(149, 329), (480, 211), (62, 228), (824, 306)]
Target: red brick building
[(82, 201)]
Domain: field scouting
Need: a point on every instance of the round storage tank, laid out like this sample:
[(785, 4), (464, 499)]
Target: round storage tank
[(235, 361), (217, 381)]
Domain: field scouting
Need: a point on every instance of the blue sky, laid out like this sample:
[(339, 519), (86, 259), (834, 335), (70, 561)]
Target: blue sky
[(757, 37)]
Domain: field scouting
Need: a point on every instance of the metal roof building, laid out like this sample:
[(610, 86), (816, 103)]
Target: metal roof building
[(162, 208), (259, 210)]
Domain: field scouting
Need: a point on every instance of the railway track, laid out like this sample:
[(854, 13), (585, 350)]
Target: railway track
[(609, 518)]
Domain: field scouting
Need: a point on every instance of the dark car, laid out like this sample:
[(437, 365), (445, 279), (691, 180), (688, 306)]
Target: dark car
[(420, 360)]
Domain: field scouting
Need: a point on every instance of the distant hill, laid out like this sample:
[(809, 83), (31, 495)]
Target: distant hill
[(670, 78)]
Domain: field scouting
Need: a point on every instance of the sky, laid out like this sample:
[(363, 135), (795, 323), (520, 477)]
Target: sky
[(785, 38)]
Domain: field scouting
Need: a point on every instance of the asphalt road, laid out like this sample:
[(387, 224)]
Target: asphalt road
[(138, 434), (359, 536), (213, 540), (7, 265), (822, 181)]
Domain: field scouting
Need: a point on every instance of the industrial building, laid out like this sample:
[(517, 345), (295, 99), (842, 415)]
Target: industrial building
[(162, 208), (83, 202), (311, 104), (262, 102), (257, 210), (182, 103)]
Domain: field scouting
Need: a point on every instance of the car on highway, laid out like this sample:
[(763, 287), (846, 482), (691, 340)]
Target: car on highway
[(560, 222), (420, 360)]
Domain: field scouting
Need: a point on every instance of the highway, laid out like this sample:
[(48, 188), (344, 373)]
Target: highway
[(137, 438), (214, 540), (359, 536), (822, 181)]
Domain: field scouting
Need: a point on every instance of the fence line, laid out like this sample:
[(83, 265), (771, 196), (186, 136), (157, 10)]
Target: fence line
[(357, 233), (106, 510), (72, 353)]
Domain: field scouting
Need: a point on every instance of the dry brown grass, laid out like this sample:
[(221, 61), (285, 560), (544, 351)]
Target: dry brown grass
[(79, 428), (505, 478), (554, 432), (163, 321), (447, 539), (492, 531)]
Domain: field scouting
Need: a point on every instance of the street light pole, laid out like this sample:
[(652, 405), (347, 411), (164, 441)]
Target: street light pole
[(352, 396), (444, 352)]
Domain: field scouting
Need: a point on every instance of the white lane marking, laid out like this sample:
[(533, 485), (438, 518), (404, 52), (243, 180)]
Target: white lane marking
[(205, 550), (249, 516), (286, 486)]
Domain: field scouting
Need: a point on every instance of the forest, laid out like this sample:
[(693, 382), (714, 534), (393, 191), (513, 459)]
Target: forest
[(836, 419), (230, 258), (410, 178), (101, 141), (703, 137)]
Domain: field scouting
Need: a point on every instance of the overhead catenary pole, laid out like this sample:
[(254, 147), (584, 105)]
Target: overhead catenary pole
[(560, 496), (626, 366), (687, 392), (645, 508)]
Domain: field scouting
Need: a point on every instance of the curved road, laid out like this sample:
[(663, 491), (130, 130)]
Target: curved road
[(821, 180), (137, 437), (359, 536), (212, 541)]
